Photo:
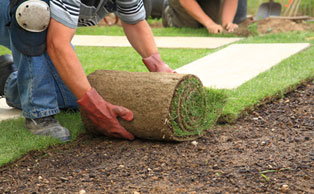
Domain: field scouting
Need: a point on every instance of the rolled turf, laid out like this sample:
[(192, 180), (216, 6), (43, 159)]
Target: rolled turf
[(173, 107)]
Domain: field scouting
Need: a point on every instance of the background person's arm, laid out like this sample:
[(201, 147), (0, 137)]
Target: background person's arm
[(228, 12), (194, 9)]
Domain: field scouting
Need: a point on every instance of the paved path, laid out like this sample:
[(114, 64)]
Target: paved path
[(162, 42), (238, 63), (227, 68), (7, 112)]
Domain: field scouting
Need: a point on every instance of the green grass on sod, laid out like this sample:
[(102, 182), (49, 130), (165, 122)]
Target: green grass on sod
[(16, 142), (275, 82)]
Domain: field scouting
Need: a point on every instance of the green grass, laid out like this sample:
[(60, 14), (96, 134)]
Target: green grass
[(126, 59), (15, 141)]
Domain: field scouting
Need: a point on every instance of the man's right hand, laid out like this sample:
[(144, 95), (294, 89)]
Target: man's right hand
[(214, 28), (104, 115)]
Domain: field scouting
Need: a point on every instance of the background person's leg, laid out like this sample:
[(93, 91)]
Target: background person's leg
[(241, 11), (212, 8), (175, 16)]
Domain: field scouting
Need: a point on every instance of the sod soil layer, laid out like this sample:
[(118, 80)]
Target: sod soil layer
[(171, 107), (268, 151)]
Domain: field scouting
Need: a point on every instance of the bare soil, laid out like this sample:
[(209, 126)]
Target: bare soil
[(268, 151), (273, 25)]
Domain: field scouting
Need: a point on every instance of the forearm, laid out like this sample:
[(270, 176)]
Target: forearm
[(228, 11), (141, 38), (194, 9), (67, 63)]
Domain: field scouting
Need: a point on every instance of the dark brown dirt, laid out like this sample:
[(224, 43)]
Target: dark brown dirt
[(267, 151), (273, 25)]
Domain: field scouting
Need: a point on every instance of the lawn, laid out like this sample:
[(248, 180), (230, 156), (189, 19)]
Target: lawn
[(16, 142)]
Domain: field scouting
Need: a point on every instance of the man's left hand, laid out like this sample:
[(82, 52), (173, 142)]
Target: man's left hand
[(230, 27)]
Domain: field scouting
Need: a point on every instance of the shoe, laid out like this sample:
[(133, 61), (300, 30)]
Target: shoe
[(48, 126), (166, 19), (6, 68)]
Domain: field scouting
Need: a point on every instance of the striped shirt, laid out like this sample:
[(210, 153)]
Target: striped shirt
[(73, 13)]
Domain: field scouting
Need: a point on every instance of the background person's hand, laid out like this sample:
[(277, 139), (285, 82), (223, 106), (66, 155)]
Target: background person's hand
[(104, 115), (214, 28), (230, 27)]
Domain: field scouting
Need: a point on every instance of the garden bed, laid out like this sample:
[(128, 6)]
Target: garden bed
[(268, 151)]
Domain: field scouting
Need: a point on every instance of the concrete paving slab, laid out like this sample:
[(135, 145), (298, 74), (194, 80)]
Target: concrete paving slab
[(234, 65), (7, 112), (162, 42)]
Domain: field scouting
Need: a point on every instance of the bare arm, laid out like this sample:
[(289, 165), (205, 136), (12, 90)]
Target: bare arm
[(141, 38), (65, 59), (228, 12), (194, 9)]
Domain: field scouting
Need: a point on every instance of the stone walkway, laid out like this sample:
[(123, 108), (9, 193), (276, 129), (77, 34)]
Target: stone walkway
[(162, 42), (238, 63), (227, 68), (7, 112)]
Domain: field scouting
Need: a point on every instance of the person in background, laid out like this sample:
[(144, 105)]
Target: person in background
[(214, 15)]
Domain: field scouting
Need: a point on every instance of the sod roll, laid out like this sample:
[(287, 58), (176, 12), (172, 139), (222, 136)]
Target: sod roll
[(165, 106)]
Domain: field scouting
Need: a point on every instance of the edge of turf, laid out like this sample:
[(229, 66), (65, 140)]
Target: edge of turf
[(269, 85), (21, 148)]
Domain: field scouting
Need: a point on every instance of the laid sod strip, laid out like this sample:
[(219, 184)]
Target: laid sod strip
[(166, 106), (16, 141), (269, 85)]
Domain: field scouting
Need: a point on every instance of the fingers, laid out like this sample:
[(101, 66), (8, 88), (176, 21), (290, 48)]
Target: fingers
[(215, 29), (230, 27), (124, 113), (167, 69), (121, 133)]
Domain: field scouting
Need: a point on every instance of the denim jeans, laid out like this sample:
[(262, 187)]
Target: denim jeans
[(36, 88), (241, 11)]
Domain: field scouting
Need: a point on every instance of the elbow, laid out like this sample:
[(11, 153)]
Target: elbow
[(56, 46)]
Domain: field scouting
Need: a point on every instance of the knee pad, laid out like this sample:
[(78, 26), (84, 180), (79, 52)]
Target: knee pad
[(30, 20)]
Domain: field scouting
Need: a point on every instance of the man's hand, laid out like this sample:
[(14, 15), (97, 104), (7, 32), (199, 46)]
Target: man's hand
[(230, 27), (214, 28), (104, 115), (154, 63)]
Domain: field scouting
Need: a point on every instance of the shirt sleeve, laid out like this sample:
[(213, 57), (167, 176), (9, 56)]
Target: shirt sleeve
[(131, 11), (66, 12)]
